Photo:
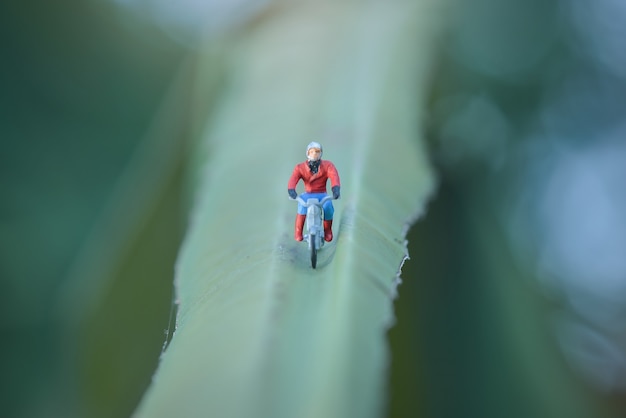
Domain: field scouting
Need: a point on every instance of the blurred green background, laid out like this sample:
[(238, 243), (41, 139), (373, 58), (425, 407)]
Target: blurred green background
[(513, 300), (81, 84)]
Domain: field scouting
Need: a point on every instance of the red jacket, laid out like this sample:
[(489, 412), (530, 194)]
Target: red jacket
[(314, 183)]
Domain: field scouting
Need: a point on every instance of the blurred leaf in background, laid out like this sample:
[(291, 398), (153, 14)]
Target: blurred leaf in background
[(80, 84), (513, 303)]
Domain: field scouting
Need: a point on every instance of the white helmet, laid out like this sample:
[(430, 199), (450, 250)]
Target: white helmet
[(314, 145)]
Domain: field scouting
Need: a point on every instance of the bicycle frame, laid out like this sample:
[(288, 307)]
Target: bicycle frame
[(314, 224)]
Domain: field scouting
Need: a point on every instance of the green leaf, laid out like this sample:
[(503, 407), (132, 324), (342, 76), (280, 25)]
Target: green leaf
[(259, 333)]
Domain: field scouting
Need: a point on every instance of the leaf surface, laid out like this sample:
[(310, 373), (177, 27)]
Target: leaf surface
[(259, 333)]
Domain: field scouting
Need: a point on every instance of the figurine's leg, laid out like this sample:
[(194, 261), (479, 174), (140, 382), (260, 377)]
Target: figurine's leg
[(299, 225), (328, 231), (300, 218), (329, 211)]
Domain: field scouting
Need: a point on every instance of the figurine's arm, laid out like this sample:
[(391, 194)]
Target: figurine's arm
[(293, 182), (335, 184)]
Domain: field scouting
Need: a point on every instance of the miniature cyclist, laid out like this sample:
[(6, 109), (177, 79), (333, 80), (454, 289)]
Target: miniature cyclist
[(315, 173)]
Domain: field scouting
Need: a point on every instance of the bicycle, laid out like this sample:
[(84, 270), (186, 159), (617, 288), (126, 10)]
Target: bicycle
[(314, 224)]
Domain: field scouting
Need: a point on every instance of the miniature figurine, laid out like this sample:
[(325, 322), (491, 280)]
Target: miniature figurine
[(315, 173)]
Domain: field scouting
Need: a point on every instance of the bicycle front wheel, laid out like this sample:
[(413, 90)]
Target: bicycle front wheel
[(313, 251)]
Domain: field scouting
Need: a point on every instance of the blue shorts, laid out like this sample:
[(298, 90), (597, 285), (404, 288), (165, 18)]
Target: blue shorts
[(329, 210)]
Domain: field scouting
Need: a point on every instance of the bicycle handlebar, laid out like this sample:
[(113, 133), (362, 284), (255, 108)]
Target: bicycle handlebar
[(317, 202)]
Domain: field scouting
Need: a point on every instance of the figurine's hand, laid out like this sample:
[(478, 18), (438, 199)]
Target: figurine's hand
[(336, 193), (292, 193)]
